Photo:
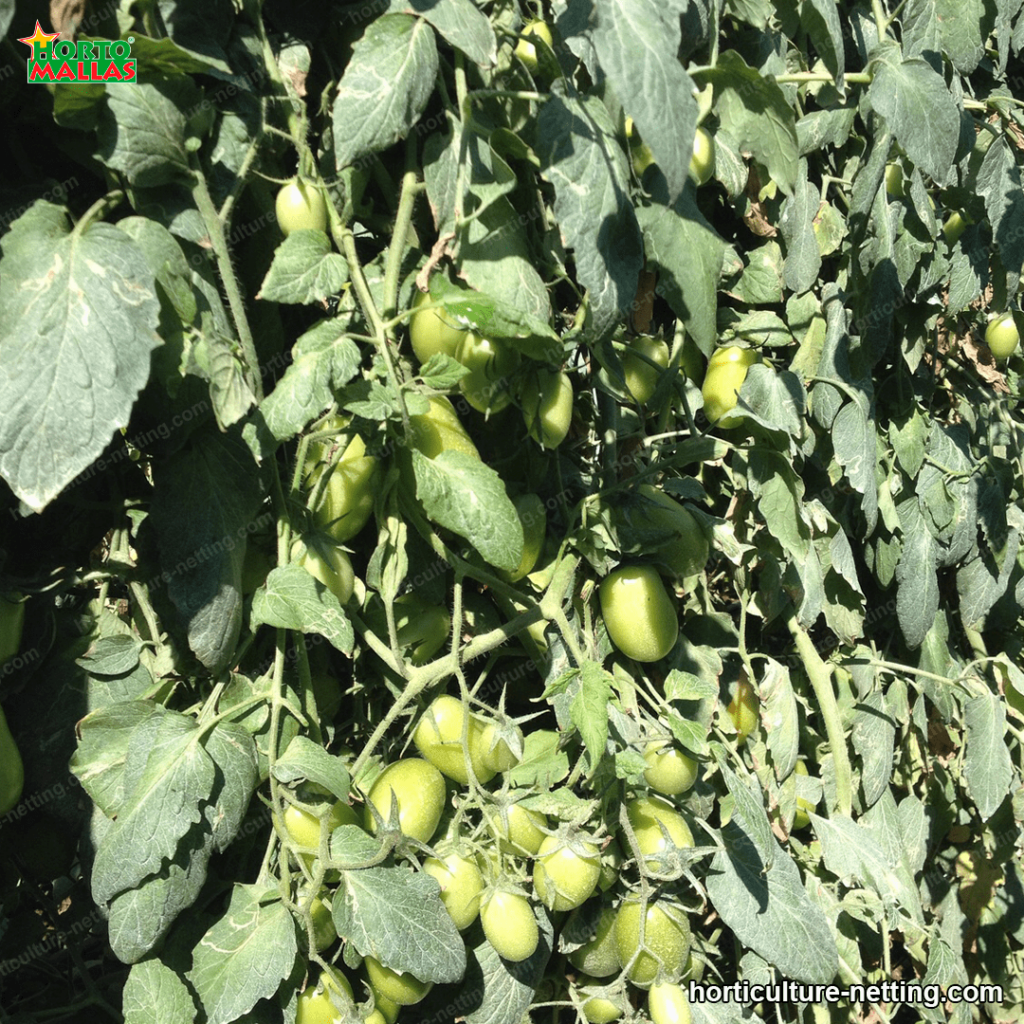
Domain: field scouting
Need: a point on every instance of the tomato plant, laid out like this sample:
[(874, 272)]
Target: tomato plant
[(566, 872), (509, 925), (300, 206), (638, 613), (418, 789)]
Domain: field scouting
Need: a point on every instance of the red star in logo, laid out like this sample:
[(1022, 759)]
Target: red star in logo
[(40, 38)]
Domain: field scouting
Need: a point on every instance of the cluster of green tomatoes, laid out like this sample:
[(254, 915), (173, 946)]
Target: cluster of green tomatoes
[(498, 862)]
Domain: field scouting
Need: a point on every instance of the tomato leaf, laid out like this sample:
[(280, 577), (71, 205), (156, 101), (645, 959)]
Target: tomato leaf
[(74, 307), (293, 599), (779, 716), (460, 493), (205, 497), (589, 709), (987, 765), (304, 759), (305, 270), (397, 917), (873, 738), (461, 24), (385, 87), (245, 956), (580, 157), (153, 992), (637, 43)]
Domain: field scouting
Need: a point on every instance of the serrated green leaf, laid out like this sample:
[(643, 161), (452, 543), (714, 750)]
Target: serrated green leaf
[(292, 599)]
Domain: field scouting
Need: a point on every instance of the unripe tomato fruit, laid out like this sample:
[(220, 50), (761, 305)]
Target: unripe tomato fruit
[(639, 152), (801, 819), (316, 1007), (597, 1008), (495, 753), (519, 831), (894, 185), (12, 621), (347, 501), (525, 49), (300, 207), (547, 406), (599, 956), (490, 364), (439, 430), (638, 613), (565, 874), (956, 224), (12, 770), (641, 377), (432, 331), (438, 737), (666, 939), (727, 370), (509, 925), (305, 828), (422, 626), (462, 886), (611, 863), (386, 1009), (702, 163), (646, 816), (327, 563), (686, 552), (403, 989), (1002, 336), (324, 933), (419, 789), (533, 517), (669, 770), (667, 1004), (743, 710)]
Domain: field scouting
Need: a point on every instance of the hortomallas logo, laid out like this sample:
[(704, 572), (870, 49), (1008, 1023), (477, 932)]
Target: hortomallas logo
[(89, 60)]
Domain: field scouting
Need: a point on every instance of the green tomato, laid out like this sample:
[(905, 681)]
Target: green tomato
[(433, 331), (801, 819), (547, 406), (321, 1003), (599, 956), (666, 939), (1002, 336), (686, 550), (324, 933), (727, 370), (894, 184), (702, 163), (12, 770), (403, 989), (669, 770), (667, 1004), (495, 752), (12, 621), (956, 224), (534, 519), (347, 501), (438, 737), (640, 153), (611, 863), (327, 563), (423, 626), (462, 886), (418, 788), (566, 873), (439, 430), (638, 613), (526, 51), (490, 364), (304, 828), (509, 925), (647, 817), (641, 376), (300, 207), (386, 1009), (596, 1007), (519, 830), (744, 711)]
